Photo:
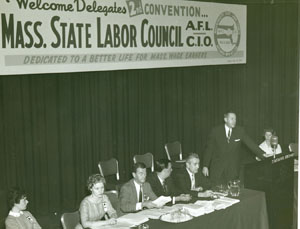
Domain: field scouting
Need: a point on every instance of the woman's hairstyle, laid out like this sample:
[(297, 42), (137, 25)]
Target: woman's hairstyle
[(268, 130), (94, 179), (15, 195)]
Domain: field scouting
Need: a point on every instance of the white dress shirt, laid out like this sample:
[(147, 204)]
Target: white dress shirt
[(227, 130), (138, 206), (15, 214), (192, 177)]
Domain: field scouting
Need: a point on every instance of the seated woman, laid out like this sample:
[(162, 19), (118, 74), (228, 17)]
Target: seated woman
[(96, 209), (266, 144), (18, 217)]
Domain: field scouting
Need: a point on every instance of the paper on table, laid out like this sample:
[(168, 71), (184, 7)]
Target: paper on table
[(132, 219), (230, 200), (162, 200), (224, 202), (207, 205), (118, 225), (155, 213), (194, 210)]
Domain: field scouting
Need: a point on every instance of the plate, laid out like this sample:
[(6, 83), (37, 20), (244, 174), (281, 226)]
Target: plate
[(175, 217)]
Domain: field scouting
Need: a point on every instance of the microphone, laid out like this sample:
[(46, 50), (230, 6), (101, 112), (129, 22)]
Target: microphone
[(106, 216), (274, 143)]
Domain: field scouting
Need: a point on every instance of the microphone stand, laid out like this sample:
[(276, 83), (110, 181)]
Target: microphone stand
[(274, 150), (274, 143)]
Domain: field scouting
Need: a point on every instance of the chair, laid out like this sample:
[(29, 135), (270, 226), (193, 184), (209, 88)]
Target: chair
[(173, 149), (109, 167), (146, 158), (70, 220), (114, 200), (293, 147)]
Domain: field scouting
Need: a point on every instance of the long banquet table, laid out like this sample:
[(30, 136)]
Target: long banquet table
[(249, 213)]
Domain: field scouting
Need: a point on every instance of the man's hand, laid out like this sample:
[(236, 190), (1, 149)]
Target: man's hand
[(198, 189), (111, 221), (205, 171), (183, 197), (207, 193), (148, 204)]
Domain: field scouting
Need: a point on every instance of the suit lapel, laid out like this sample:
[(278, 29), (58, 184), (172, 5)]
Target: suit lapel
[(188, 179), (133, 189), (159, 184), (224, 136)]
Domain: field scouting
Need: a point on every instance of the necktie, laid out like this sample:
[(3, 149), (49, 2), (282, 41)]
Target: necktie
[(193, 182), (165, 187), (229, 135), (140, 194)]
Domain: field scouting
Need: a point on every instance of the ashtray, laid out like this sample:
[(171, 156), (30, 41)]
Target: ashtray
[(176, 217)]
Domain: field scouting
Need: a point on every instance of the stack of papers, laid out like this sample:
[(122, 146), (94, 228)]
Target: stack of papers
[(194, 210), (162, 200), (132, 219), (224, 202), (206, 205), (155, 213), (118, 225), (217, 204)]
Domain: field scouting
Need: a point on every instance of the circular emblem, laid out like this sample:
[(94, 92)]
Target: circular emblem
[(227, 34)]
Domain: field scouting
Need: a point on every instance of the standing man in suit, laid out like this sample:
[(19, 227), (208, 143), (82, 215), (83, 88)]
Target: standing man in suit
[(222, 156), (137, 194), (189, 180), (162, 183)]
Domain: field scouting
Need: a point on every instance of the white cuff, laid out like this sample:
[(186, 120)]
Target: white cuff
[(138, 206)]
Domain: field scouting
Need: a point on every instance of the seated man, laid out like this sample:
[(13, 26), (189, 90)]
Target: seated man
[(137, 194), (189, 180), (162, 183)]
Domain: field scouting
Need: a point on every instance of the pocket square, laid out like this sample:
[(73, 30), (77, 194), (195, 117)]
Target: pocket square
[(237, 140)]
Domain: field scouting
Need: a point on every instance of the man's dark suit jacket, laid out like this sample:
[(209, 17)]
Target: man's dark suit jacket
[(183, 181), (157, 187), (223, 158)]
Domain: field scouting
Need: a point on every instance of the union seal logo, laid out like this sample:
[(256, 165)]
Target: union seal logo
[(227, 34)]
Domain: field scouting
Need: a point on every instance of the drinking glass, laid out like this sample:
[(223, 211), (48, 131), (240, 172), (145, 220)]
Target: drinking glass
[(143, 226), (234, 188)]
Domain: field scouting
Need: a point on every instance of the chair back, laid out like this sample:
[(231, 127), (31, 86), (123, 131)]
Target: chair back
[(109, 167), (173, 149), (293, 147), (70, 220), (146, 158), (113, 197)]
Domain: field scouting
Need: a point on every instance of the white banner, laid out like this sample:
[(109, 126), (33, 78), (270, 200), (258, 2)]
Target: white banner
[(47, 36)]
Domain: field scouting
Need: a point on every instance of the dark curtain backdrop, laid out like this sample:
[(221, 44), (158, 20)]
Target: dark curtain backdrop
[(54, 128)]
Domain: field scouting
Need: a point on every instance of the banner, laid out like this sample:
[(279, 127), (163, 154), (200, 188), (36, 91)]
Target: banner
[(48, 36)]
